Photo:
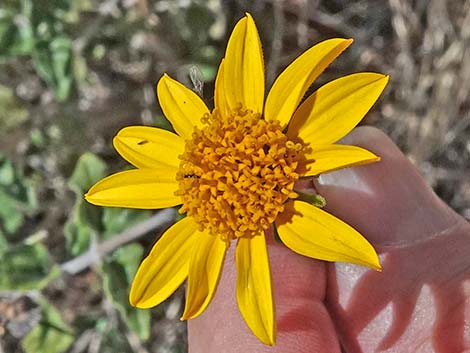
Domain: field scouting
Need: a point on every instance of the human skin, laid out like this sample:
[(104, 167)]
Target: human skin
[(420, 302)]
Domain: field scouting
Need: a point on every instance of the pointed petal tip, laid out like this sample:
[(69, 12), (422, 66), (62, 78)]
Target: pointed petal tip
[(205, 270), (187, 315), (89, 197), (86, 196), (132, 301), (180, 105), (377, 266), (372, 159), (116, 141), (135, 299), (269, 340), (164, 77), (244, 66), (384, 77), (254, 288), (387, 78), (249, 20), (345, 42), (136, 303), (373, 261), (370, 259)]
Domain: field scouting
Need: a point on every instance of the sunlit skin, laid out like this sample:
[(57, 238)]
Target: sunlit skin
[(419, 303), (235, 170)]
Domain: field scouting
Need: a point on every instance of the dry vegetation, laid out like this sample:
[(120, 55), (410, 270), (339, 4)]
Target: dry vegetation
[(119, 49)]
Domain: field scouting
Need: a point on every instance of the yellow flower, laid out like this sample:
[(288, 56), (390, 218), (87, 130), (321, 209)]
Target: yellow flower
[(234, 170)]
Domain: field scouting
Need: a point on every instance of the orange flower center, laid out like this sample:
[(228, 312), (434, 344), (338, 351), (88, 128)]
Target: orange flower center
[(236, 174)]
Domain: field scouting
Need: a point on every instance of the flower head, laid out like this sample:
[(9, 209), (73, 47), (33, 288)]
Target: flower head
[(234, 171)]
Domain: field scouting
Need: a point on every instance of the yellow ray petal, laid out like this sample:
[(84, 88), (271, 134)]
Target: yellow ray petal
[(204, 273), (181, 106), (336, 108), (312, 232), (291, 85), (219, 96), (149, 147), (167, 265), (137, 188), (244, 67), (327, 158), (254, 288)]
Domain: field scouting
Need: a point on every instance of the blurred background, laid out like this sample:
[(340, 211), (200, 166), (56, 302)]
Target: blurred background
[(73, 72)]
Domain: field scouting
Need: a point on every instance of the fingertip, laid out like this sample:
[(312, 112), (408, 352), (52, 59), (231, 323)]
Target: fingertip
[(384, 201)]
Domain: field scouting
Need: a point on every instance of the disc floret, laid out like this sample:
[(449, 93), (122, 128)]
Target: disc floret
[(237, 172)]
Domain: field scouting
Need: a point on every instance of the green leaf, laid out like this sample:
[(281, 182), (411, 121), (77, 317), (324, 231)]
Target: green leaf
[(53, 63), (16, 36), (10, 213), (88, 221), (85, 220), (88, 170), (12, 114), (51, 335), (78, 236), (26, 267), (118, 273), (113, 340), (17, 198), (3, 242), (7, 172), (116, 220)]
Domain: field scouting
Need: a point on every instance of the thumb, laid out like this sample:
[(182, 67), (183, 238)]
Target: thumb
[(303, 324), (418, 302), (389, 195)]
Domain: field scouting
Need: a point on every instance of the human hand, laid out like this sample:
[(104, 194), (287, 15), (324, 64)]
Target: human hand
[(420, 302)]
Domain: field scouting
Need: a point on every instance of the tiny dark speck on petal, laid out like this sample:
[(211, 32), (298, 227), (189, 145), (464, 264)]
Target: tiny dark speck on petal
[(143, 142)]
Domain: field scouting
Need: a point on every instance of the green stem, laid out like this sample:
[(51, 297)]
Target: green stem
[(313, 199)]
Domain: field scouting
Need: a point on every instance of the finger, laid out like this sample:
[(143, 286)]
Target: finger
[(303, 324), (384, 200), (421, 243)]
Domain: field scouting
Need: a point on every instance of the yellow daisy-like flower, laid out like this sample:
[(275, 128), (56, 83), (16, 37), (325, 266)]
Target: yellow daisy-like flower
[(234, 170)]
